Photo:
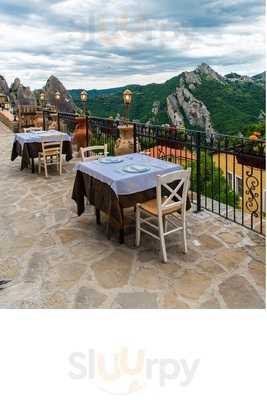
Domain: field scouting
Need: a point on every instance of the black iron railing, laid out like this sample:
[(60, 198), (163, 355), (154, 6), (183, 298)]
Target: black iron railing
[(228, 172), (104, 131)]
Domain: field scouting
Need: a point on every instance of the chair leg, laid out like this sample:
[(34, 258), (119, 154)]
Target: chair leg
[(184, 235), (138, 226), (45, 167), (60, 166), (162, 240), (39, 164), (165, 221)]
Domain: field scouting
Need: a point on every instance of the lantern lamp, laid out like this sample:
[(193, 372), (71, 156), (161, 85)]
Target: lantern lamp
[(127, 98), (84, 99)]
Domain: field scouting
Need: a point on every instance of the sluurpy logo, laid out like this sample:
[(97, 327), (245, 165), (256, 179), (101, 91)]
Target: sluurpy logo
[(122, 373)]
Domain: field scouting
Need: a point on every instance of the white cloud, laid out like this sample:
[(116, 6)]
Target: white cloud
[(95, 43)]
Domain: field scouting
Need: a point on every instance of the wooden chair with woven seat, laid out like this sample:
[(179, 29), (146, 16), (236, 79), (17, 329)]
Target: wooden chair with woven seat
[(94, 152), (165, 210), (51, 154)]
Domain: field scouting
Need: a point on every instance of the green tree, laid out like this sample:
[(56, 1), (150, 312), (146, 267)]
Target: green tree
[(213, 183), (259, 126)]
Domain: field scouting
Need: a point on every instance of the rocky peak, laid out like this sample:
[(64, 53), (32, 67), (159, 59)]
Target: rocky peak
[(15, 85), (4, 86), (182, 106), (21, 95), (194, 78), (206, 70), (65, 103)]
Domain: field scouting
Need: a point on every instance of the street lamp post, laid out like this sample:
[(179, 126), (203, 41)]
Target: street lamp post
[(127, 98), (57, 97), (84, 100), (42, 100)]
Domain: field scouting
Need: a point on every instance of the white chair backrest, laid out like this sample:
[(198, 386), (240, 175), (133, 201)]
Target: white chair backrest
[(49, 148), (174, 193), (32, 129), (94, 152)]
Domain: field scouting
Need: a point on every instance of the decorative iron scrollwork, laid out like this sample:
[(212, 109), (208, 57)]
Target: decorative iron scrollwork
[(252, 183)]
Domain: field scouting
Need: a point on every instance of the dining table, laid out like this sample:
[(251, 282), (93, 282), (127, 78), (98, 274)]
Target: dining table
[(28, 145), (113, 184)]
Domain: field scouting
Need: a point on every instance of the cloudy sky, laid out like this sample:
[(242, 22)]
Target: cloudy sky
[(101, 43)]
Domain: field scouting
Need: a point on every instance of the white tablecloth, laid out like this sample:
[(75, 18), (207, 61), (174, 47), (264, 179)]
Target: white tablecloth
[(39, 137), (124, 183)]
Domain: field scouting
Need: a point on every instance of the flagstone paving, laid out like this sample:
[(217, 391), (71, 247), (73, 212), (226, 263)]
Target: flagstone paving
[(55, 259)]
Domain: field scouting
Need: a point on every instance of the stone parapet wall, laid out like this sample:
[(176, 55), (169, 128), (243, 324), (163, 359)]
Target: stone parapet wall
[(7, 121)]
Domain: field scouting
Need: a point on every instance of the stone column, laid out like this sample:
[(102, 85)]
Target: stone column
[(125, 143)]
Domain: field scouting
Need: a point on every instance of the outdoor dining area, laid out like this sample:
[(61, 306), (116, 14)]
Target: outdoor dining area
[(108, 225), (111, 184), (157, 190)]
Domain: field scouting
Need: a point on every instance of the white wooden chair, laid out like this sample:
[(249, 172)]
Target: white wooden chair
[(164, 210), (51, 154), (94, 152), (32, 129)]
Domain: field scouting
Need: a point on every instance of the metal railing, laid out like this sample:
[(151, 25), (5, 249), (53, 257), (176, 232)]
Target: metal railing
[(228, 172)]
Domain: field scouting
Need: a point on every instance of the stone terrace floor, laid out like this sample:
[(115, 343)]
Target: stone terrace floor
[(55, 259)]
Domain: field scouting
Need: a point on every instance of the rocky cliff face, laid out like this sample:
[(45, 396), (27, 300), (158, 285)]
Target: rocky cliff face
[(65, 104), (4, 86), (174, 110), (21, 95), (183, 107)]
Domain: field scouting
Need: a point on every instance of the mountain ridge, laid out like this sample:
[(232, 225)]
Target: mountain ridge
[(199, 99), (120, 88)]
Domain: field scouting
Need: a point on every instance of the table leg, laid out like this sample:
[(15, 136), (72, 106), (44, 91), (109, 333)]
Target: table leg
[(98, 216), (121, 240), (108, 230), (33, 169)]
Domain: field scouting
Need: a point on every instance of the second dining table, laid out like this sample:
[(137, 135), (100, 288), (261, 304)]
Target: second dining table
[(113, 184), (28, 145)]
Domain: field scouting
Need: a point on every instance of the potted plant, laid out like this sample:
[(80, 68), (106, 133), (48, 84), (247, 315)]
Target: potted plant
[(252, 152)]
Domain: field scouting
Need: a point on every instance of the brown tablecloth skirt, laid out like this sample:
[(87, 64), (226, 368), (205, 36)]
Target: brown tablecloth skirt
[(101, 196), (31, 150)]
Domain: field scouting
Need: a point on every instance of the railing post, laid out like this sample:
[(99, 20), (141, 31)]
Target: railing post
[(198, 170), (58, 121), (43, 120), (87, 129), (134, 137)]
